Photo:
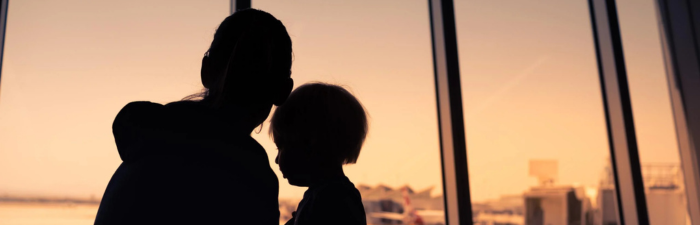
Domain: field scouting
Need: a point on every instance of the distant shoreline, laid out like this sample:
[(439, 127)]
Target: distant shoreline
[(42, 200)]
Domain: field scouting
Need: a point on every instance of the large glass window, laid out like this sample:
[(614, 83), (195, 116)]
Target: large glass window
[(69, 66), (537, 145), (536, 136), (381, 51), (653, 118)]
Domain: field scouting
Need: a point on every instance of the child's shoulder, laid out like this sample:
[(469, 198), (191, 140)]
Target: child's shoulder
[(338, 192), (337, 201), (336, 187)]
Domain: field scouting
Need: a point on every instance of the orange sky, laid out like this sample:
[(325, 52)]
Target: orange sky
[(530, 85)]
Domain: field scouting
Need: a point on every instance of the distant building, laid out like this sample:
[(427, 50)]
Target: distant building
[(552, 204), (556, 205), (606, 214), (606, 209), (665, 196), (507, 210), (665, 192), (385, 205)]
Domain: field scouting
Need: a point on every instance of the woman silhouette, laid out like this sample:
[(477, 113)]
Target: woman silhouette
[(194, 161)]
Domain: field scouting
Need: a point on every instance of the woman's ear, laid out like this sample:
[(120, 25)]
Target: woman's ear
[(284, 89), (208, 76)]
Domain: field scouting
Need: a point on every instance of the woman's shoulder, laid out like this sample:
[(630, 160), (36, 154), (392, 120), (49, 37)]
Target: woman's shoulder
[(138, 108)]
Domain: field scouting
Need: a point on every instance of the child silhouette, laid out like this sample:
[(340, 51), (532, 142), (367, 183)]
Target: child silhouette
[(320, 128)]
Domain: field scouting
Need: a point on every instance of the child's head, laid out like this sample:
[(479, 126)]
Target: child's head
[(319, 128)]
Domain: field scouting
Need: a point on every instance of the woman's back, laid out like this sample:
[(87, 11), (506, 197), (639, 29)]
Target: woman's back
[(195, 161), (184, 163)]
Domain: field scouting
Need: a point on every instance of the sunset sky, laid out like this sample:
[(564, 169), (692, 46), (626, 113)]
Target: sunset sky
[(529, 82)]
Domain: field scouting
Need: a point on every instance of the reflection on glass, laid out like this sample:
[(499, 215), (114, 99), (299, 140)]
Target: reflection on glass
[(655, 128), (537, 144), (380, 51), (69, 66)]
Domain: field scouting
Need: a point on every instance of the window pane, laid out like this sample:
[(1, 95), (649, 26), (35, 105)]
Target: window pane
[(381, 51), (653, 118), (537, 144), (69, 67)]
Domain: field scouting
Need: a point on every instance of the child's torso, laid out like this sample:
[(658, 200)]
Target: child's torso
[(334, 202)]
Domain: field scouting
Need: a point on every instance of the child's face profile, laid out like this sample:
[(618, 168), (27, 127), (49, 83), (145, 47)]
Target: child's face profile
[(295, 164)]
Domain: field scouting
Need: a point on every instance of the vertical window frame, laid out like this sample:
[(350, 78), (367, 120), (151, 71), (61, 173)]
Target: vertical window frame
[(453, 150), (615, 90), (679, 24), (3, 24), (629, 186), (239, 4)]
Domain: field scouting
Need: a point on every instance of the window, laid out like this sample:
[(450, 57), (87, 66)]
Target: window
[(654, 125), (69, 66), (537, 145), (380, 51), (536, 138)]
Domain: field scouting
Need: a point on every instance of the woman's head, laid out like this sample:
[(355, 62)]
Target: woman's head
[(248, 64)]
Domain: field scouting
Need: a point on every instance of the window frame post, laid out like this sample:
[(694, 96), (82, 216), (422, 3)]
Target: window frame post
[(455, 175), (239, 4), (624, 154), (3, 27), (679, 24)]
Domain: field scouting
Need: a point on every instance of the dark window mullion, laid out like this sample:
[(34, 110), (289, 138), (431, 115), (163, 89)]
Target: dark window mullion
[(450, 115), (239, 4), (679, 23), (629, 185), (3, 24)]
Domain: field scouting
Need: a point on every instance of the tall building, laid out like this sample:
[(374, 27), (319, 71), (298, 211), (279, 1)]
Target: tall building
[(665, 194)]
